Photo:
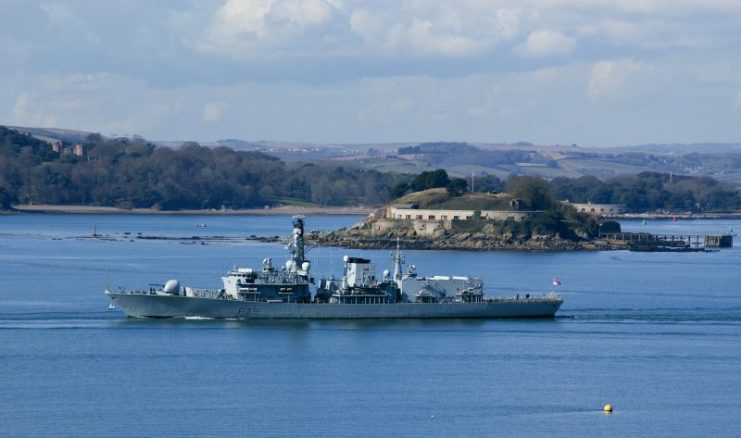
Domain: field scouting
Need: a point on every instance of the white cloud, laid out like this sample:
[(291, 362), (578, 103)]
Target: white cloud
[(367, 25), (422, 39), (306, 12), (607, 78), (241, 27), (435, 29), (240, 17), (546, 42)]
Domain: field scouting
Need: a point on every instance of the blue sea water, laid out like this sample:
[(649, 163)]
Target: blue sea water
[(658, 335)]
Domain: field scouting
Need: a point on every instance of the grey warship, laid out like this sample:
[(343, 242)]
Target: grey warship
[(284, 293)]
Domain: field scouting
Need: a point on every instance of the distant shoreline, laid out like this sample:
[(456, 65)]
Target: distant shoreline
[(274, 211), (683, 216)]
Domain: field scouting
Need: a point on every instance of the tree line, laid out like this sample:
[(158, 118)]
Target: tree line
[(133, 173), (646, 191), (651, 191)]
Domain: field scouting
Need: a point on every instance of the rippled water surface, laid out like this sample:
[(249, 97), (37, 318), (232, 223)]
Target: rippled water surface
[(658, 335)]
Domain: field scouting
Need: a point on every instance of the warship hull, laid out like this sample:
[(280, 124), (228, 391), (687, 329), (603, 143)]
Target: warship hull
[(140, 305)]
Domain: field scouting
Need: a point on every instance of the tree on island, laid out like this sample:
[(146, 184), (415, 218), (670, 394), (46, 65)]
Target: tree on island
[(532, 191), (430, 180), (457, 186)]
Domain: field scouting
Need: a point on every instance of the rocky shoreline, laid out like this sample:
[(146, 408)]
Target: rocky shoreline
[(356, 238), (471, 244)]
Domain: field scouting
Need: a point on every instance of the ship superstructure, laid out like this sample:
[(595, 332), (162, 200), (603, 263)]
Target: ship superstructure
[(435, 289)]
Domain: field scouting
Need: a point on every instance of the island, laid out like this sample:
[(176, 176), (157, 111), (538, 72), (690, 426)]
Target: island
[(438, 218)]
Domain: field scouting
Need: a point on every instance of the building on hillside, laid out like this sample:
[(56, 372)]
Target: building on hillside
[(408, 212), (598, 209), (77, 149), (429, 222)]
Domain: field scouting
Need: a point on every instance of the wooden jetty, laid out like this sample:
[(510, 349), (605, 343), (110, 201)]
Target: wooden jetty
[(669, 242)]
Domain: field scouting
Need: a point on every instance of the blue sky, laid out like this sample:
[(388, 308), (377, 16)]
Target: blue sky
[(594, 73)]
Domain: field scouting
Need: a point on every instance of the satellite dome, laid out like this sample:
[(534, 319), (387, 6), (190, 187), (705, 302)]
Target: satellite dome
[(171, 287)]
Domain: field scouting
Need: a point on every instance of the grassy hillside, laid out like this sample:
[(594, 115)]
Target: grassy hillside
[(440, 199)]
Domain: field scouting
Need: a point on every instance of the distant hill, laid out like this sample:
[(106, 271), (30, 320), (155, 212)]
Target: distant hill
[(721, 161)]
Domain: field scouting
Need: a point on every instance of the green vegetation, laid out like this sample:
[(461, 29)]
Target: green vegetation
[(134, 173), (646, 191), (441, 198), (438, 148), (535, 193), (431, 180), (651, 191)]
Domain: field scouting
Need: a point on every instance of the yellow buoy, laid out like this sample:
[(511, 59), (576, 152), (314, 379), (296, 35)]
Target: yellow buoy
[(607, 408)]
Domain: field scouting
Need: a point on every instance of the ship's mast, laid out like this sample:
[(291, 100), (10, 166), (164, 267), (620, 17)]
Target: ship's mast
[(297, 242), (398, 260)]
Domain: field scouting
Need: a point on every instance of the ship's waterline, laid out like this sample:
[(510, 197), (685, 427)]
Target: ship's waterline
[(173, 306)]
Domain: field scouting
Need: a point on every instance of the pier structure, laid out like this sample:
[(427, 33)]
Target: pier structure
[(676, 242)]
